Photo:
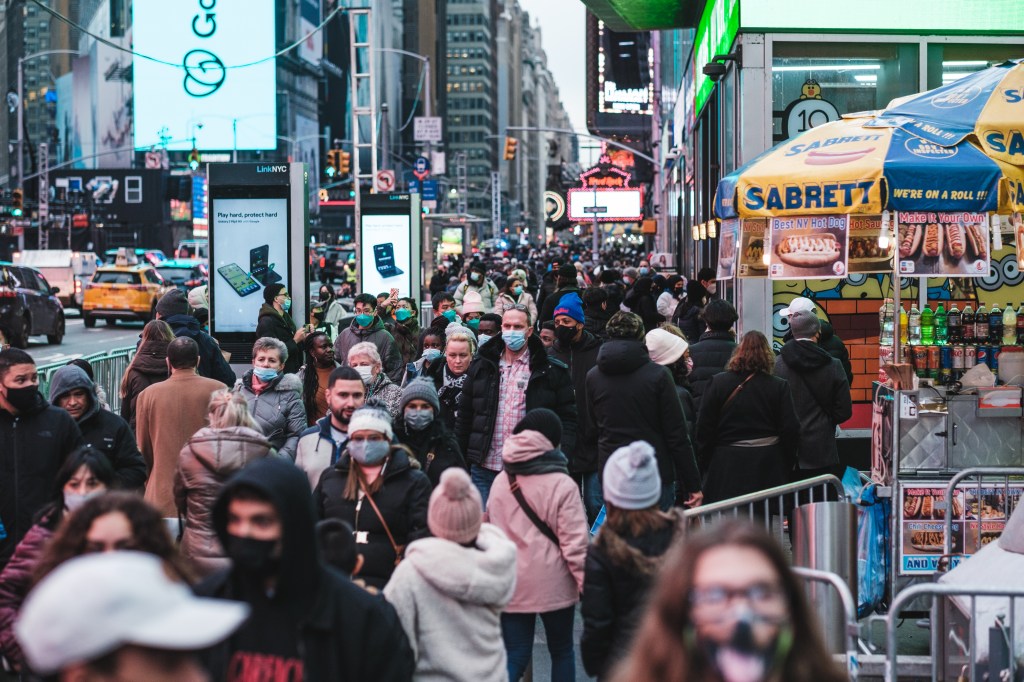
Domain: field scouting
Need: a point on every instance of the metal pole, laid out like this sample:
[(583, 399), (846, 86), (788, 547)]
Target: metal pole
[(597, 241), (21, 121), (383, 136)]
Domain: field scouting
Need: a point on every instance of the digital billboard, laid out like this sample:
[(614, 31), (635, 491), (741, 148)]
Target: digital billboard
[(389, 244), (618, 204), (620, 80), (209, 78)]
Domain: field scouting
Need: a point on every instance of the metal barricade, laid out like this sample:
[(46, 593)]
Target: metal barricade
[(850, 609), (761, 506), (966, 668), (1002, 474), (107, 367)]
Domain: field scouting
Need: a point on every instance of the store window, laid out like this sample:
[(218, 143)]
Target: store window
[(947, 63), (813, 83)]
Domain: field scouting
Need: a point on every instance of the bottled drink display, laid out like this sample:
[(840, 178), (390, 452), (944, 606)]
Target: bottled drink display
[(886, 321), (914, 325), (981, 324), (1020, 324), (941, 320), (954, 325), (995, 325), (1009, 325), (969, 332), (927, 326), (904, 327)]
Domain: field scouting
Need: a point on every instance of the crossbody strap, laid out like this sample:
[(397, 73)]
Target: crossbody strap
[(369, 498), (736, 390), (530, 513)]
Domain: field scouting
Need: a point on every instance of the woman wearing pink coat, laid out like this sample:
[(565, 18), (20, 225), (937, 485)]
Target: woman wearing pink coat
[(539, 507)]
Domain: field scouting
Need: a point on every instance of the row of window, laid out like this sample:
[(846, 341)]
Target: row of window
[(469, 53), (470, 120), (468, 87), (468, 20), (471, 103), (468, 37), (482, 71)]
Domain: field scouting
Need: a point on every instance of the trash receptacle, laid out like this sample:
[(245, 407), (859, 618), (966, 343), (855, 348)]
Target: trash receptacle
[(824, 538)]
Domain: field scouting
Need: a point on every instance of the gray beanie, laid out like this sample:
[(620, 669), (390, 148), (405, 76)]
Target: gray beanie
[(631, 480), (804, 325), (420, 389)]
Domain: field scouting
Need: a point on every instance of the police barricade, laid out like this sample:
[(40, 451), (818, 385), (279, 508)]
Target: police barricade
[(107, 367), (852, 630), (970, 640), (985, 480)]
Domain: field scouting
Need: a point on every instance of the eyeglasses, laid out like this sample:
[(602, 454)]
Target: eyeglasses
[(711, 603)]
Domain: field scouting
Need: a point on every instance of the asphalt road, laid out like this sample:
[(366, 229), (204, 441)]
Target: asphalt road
[(79, 341)]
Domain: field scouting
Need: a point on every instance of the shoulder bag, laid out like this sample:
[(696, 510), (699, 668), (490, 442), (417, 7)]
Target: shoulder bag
[(399, 549), (544, 528)]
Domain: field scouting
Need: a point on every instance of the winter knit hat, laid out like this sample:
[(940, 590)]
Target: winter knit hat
[(631, 480), (665, 347), (456, 510), (199, 298), (420, 389), (567, 271), (804, 325), (371, 418), (625, 325), (543, 421), (172, 303), (472, 302), (571, 306)]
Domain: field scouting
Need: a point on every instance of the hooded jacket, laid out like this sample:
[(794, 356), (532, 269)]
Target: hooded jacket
[(487, 290), (379, 336), (710, 355), (402, 501), (549, 386), (435, 447), (687, 314), (821, 396), (641, 301), (548, 576), (317, 451), (407, 336), (207, 461), (281, 327), (148, 367), (34, 446), (344, 633), (212, 364), (597, 320), (278, 410), (449, 599), (831, 342), (632, 399), (581, 357), (102, 429)]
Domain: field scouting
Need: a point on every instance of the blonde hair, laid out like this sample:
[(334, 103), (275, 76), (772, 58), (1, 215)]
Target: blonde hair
[(229, 409), (463, 336)]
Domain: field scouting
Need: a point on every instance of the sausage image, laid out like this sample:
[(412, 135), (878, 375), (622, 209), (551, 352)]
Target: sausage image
[(820, 158), (956, 243), (976, 240), (927, 507), (910, 240), (932, 240), (808, 251), (911, 507)]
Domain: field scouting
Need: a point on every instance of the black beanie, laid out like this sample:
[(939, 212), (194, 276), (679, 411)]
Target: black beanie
[(172, 303), (271, 292), (544, 421)]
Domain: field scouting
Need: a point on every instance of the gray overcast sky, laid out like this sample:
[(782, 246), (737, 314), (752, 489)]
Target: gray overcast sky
[(563, 24)]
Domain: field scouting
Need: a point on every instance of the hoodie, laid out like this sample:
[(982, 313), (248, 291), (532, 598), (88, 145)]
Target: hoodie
[(449, 599), (212, 364), (102, 429), (314, 615), (378, 335), (821, 395), (148, 367)]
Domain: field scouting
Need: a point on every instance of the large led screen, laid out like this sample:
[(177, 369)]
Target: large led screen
[(386, 254), (205, 90)]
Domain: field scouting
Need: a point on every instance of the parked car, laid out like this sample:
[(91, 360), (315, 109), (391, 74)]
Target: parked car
[(122, 292), (184, 273), (28, 306), (335, 258), (65, 269), (198, 249)]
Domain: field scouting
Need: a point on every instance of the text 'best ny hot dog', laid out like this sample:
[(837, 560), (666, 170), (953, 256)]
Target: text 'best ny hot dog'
[(808, 251)]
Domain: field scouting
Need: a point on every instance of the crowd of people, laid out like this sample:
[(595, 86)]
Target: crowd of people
[(403, 496)]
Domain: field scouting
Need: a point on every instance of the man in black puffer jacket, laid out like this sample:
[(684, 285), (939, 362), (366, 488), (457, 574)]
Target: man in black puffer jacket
[(712, 351), (173, 309), (828, 339), (631, 398)]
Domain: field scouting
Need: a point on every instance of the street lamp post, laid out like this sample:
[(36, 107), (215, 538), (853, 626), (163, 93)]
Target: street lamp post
[(21, 104)]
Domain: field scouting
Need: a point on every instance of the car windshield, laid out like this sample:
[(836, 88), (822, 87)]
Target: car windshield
[(175, 274), (115, 278)]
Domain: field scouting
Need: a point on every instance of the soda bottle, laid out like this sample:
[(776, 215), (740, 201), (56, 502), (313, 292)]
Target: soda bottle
[(995, 325), (1020, 324), (914, 324), (1009, 325), (927, 325), (885, 317), (969, 332), (941, 334), (904, 331), (981, 325), (954, 325)]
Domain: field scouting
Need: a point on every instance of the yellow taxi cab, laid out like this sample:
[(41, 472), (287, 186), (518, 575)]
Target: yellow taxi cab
[(123, 291)]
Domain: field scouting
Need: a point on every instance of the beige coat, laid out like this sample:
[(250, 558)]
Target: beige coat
[(167, 415)]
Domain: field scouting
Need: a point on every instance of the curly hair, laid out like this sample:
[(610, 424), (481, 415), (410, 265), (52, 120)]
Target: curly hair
[(753, 354), (148, 530)]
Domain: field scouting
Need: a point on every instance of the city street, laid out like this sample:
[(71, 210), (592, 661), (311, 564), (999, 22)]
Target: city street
[(80, 341)]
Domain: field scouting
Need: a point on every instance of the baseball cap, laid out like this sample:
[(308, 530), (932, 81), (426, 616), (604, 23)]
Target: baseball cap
[(92, 605), (798, 305)]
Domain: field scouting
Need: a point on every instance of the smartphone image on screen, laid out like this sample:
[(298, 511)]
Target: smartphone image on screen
[(259, 268), (239, 279), (384, 255)]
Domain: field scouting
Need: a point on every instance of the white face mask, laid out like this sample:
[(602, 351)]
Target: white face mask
[(712, 288), (72, 501), (366, 373)]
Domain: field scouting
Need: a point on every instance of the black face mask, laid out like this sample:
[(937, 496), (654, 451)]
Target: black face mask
[(565, 335), (325, 296), (22, 399), (252, 556)]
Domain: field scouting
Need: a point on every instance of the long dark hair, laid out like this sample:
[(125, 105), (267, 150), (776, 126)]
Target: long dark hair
[(659, 651), (310, 381), (84, 455)]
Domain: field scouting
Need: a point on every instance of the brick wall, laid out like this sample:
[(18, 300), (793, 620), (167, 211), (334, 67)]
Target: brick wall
[(856, 323)]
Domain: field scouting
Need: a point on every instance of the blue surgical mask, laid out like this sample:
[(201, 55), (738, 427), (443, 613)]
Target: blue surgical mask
[(518, 291), (364, 320), (417, 420), (514, 339), (644, 271), (431, 354), (369, 452), (403, 314), (286, 305), (449, 315), (482, 339), (265, 374)]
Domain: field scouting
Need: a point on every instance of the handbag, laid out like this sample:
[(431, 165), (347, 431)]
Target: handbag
[(537, 521), (399, 549)]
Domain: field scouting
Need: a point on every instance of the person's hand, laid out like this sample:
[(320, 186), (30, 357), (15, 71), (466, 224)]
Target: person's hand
[(694, 500), (301, 334)]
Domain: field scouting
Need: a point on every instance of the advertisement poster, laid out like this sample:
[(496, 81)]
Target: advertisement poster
[(451, 241), (807, 247), (728, 237), (386, 255), (937, 244), (753, 240), (865, 253), (1017, 223), (250, 243)]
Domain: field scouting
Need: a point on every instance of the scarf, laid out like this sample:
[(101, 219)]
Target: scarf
[(450, 391), (551, 462)]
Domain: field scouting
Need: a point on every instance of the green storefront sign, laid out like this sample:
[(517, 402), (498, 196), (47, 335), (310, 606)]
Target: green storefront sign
[(715, 34)]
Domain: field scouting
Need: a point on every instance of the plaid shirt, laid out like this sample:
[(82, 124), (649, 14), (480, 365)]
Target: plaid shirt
[(515, 376)]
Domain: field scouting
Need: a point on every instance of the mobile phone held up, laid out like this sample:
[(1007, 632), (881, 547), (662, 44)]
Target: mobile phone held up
[(239, 279)]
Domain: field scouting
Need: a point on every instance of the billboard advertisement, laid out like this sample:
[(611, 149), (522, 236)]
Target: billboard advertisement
[(389, 244), (620, 80), (906, 16), (210, 81), (618, 204), (312, 47)]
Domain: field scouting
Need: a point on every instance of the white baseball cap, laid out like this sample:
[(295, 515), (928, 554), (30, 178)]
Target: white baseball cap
[(798, 305), (92, 605)]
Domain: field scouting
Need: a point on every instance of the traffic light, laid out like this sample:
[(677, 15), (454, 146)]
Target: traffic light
[(17, 203), (344, 162), (332, 163), (193, 159), (510, 148)]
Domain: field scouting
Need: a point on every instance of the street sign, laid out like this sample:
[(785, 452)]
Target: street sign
[(428, 188), (595, 209), (438, 163), (384, 181), (421, 167), (427, 129)]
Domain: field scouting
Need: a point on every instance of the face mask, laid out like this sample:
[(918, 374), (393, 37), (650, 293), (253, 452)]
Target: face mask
[(712, 288), (417, 420), (483, 338), (364, 320), (473, 324), (369, 452), (22, 399), (286, 305), (514, 339), (689, 365), (643, 271), (449, 315), (678, 291), (431, 354), (264, 374), (403, 314), (73, 501), (565, 335), (518, 291), (741, 659), (366, 373), (324, 296), (252, 556), (475, 277)]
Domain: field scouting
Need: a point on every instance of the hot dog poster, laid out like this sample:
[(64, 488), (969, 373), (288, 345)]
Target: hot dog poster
[(808, 246), (946, 244), (753, 245), (728, 239), (866, 255)]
